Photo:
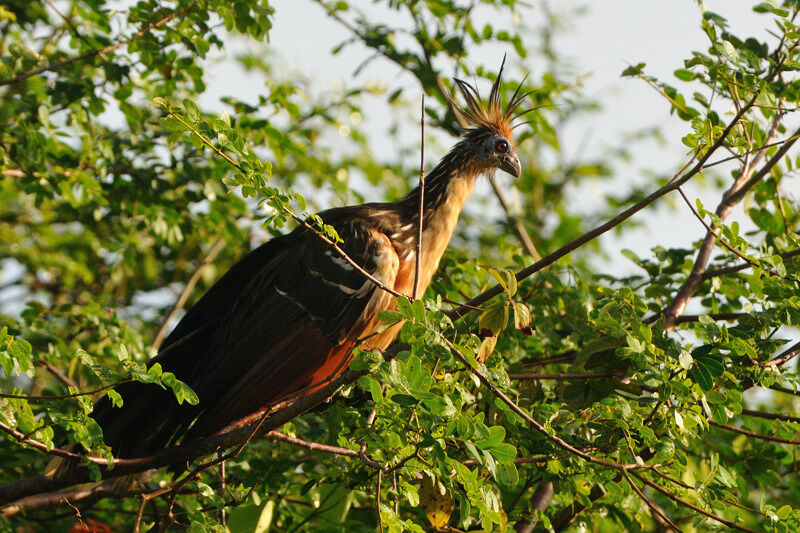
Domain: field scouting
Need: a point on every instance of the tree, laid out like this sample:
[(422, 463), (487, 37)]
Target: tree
[(527, 390)]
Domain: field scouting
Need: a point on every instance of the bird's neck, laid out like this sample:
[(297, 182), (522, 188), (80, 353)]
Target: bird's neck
[(446, 189)]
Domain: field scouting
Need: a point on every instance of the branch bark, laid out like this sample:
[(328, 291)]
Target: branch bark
[(539, 501), (746, 180), (234, 436)]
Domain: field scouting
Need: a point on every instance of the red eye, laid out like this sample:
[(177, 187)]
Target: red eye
[(501, 146)]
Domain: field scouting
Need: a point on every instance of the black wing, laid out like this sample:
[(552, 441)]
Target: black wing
[(288, 313)]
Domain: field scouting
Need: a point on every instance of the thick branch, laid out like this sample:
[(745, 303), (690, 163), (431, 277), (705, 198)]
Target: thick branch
[(539, 501), (785, 356), (746, 180), (179, 454)]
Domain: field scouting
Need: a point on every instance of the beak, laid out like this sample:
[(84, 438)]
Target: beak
[(511, 164)]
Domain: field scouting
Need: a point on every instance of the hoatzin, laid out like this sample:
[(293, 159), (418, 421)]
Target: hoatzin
[(287, 316)]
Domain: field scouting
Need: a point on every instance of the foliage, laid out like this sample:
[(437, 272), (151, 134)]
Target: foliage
[(116, 186)]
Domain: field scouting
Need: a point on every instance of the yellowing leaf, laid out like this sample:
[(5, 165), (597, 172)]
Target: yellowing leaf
[(486, 349), (437, 503)]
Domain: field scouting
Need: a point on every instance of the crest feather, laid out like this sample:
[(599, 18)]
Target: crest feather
[(491, 116)]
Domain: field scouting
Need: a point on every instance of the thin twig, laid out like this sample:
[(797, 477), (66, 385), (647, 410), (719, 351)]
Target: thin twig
[(98, 51), (535, 424), (72, 27), (522, 233), (725, 243), (684, 503), (724, 271), (378, 499), (753, 434), (187, 290), (418, 256), (309, 445), (140, 513), (771, 416), (36, 398), (63, 378), (566, 375), (653, 507)]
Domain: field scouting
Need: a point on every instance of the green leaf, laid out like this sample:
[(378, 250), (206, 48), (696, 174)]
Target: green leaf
[(192, 111), (522, 318), (684, 75), (494, 437), (494, 319), (770, 7), (505, 453), (507, 474), (634, 70), (405, 400)]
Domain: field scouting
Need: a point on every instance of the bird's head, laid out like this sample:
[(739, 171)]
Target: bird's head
[(488, 133)]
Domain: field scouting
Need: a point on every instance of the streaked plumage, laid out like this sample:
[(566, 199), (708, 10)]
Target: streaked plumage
[(287, 317)]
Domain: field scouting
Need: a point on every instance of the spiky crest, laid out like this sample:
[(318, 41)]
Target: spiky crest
[(490, 117)]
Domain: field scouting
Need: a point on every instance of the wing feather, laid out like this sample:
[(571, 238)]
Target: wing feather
[(285, 317)]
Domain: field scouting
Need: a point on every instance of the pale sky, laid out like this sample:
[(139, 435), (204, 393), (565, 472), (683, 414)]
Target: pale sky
[(602, 42)]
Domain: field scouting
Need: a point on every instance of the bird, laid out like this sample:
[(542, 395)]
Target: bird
[(287, 317)]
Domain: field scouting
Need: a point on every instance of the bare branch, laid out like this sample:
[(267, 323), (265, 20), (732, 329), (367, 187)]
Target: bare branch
[(567, 375), (660, 514), (539, 501), (770, 416), (187, 290), (753, 434), (418, 256), (63, 378), (785, 356), (522, 233)]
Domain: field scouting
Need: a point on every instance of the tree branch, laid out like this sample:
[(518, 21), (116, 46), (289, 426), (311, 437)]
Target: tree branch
[(420, 230), (753, 434), (746, 180), (522, 233), (234, 436), (566, 375), (684, 503), (539, 501), (187, 290), (724, 271), (98, 51)]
